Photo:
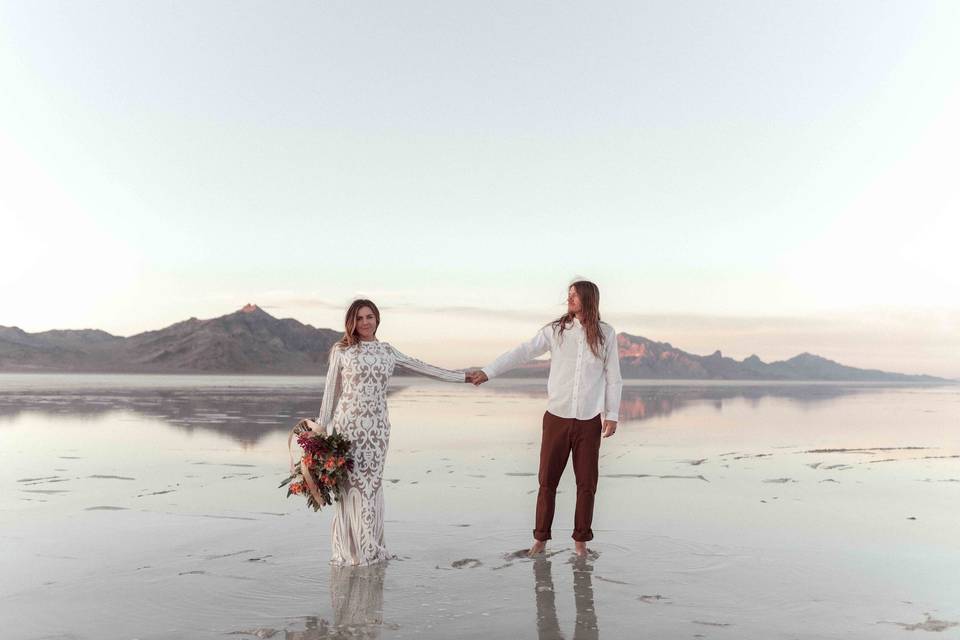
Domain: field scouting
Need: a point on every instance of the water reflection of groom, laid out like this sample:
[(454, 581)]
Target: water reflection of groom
[(548, 627)]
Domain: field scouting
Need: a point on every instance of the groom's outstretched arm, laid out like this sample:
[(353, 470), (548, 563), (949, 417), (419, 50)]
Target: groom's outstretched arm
[(535, 346)]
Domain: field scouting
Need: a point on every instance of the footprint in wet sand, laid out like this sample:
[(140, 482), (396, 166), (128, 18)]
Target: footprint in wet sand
[(257, 633), (466, 563), (652, 599), (930, 624)]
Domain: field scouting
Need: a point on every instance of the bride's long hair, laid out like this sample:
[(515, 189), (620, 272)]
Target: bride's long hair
[(589, 294), (350, 335)]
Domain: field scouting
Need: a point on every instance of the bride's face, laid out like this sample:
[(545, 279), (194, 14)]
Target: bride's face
[(366, 323)]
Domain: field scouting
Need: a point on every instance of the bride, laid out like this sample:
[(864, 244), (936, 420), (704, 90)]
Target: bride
[(355, 404)]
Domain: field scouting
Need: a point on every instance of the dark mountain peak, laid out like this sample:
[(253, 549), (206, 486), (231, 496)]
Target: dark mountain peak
[(810, 358), (250, 315), (250, 310)]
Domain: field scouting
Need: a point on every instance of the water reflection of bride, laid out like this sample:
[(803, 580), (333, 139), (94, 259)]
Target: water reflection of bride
[(548, 627), (356, 595)]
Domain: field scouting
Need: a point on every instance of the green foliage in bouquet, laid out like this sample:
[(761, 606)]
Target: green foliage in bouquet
[(323, 467)]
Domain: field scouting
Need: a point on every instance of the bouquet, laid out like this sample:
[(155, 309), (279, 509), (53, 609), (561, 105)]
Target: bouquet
[(324, 464)]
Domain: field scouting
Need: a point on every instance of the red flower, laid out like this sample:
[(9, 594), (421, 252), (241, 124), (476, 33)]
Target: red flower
[(331, 463)]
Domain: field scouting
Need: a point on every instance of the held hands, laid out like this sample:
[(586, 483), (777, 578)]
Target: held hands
[(476, 377), (609, 428)]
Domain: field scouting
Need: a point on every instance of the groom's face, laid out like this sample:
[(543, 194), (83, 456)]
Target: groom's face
[(573, 301)]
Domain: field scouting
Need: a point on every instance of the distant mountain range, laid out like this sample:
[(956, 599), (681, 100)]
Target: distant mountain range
[(251, 340), (645, 359), (247, 341)]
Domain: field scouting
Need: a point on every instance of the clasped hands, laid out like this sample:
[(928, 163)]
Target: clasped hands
[(475, 377)]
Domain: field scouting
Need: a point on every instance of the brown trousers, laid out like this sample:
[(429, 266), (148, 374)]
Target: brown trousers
[(561, 436)]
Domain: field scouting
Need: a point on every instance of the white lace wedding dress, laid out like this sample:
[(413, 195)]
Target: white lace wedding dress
[(355, 404)]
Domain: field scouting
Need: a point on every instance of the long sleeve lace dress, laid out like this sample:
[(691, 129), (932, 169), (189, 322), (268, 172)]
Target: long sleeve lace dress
[(355, 404)]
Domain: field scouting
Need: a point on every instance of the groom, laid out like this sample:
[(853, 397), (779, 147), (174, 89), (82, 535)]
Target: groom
[(583, 400)]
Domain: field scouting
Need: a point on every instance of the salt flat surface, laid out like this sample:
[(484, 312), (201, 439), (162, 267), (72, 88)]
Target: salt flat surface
[(147, 507)]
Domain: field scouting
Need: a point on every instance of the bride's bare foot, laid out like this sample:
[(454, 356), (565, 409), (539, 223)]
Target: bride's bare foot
[(580, 548), (537, 547)]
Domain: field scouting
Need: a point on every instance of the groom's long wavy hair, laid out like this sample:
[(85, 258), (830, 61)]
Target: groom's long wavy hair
[(589, 294), (350, 335)]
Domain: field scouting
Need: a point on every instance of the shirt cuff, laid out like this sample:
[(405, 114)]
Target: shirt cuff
[(613, 416), (489, 373)]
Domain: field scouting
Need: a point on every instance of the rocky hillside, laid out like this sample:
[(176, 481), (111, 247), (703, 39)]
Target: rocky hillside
[(247, 341), (645, 359), (251, 340)]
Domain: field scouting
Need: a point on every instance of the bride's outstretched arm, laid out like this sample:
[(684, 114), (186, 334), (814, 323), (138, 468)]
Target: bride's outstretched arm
[(419, 366), (331, 390)]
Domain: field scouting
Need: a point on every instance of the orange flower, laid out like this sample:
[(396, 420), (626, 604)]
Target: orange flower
[(308, 461), (327, 480), (296, 487), (331, 463), (341, 461)]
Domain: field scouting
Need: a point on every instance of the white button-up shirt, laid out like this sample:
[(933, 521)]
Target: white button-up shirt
[(581, 385)]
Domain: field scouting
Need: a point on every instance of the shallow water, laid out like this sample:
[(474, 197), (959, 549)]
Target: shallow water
[(148, 507)]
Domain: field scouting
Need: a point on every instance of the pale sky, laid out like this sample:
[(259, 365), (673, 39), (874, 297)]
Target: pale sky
[(756, 177)]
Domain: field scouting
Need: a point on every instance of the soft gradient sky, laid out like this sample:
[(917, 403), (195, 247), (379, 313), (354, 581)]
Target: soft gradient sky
[(756, 177)]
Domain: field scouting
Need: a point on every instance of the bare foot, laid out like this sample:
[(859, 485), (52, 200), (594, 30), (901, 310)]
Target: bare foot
[(537, 547), (580, 548)]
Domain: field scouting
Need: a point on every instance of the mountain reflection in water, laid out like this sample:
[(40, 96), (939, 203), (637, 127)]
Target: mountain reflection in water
[(248, 413)]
